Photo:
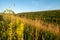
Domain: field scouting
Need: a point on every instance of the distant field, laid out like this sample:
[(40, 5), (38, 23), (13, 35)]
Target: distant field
[(52, 16)]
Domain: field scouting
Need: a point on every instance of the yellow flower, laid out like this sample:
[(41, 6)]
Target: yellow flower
[(20, 30)]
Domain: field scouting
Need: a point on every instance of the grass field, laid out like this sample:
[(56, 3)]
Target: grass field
[(44, 25)]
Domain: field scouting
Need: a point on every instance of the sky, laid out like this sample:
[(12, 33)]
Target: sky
[(29, 5)]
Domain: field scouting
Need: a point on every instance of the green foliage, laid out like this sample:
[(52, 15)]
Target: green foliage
[(48, 35), (1, 17), (30, 34)]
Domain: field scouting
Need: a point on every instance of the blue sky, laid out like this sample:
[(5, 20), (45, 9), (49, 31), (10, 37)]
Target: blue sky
[(29, 5)]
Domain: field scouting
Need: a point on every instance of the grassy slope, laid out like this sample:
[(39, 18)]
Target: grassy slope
[(52, 18), (49, 30), (47, 20), (48, 16)]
